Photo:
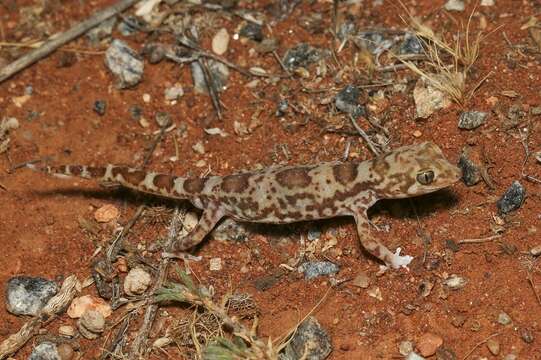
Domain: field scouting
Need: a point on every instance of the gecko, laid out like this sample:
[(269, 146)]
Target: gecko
[(287, 194)]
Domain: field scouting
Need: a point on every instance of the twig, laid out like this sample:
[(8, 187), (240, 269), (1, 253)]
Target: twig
[(157, 139), (118, 341), (138, 346), (524, 142), (532, 284), (365, 137), (3, 187), (54, 306), (40, 43), (479, 344), (479, 240), (53, 44), (213, 92)]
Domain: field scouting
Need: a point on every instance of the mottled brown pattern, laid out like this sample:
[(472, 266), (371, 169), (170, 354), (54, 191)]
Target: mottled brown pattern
[(96, 172), (235, 183), (194, 185), (345, 173), (293, 178), (166, 182), (134, 177), (298, 193)]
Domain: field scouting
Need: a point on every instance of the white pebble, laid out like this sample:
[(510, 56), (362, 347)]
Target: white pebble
[(146, 98), (215, 264), (220, 42), (137, 282)]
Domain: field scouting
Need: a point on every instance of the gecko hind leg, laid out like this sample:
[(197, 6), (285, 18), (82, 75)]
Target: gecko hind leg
[(376, 248), (208, 220)]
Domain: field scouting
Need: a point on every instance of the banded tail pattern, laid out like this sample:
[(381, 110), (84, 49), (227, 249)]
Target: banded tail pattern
[(140, 180)]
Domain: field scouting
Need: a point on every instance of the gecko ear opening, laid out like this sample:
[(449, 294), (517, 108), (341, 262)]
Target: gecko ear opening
[(425, 177)]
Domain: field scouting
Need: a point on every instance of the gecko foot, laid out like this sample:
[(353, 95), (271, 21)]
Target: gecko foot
[(398, 261)]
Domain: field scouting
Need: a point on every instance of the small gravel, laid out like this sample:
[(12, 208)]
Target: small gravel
[(313, 269), (124, 64), (470, 120), (45, 351), (310, 341)]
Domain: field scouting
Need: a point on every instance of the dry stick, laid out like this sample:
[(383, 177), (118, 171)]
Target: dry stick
[(154, 144), (213, 92), (53, 44), (364, 136), (480, 240), (139, 346), (479, 344), (54, 306)]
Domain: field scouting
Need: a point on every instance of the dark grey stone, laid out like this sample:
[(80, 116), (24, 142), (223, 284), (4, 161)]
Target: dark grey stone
[(411, 45), (124, 64), (470, 120), (512, 199), (27, 295), (347, 100), (313, 269), (99, 107), (310, 342), (45, 351), (252, 31), (471, 173), (301, 55)]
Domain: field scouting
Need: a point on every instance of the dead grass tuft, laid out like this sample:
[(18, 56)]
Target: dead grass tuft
[(448, 63)]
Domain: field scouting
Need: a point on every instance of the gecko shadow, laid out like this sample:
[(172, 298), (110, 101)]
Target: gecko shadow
[(423, 206)]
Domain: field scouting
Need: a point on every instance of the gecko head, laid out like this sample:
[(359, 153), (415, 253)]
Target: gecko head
[(414, 170)]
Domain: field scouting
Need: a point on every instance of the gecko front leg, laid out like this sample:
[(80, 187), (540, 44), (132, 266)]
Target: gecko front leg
[(375, 247), (210, 217)]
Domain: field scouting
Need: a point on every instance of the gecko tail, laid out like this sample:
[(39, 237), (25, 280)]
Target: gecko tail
[(69, 171)]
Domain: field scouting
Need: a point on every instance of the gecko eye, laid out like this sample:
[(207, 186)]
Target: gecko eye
[(425, 177)]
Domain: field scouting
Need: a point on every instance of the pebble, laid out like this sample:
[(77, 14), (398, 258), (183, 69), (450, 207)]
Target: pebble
[(146, 98), (220, 75), (282, 107), (65, 351), (536, 250), (362, 280), (301, 55), (411, 45), (493, 346), (199, 148), (163, 119), (374, 41), (454, 5), (471, 172), (252, 31), (313, 269), (310, 341), (173, 93), (512, 199), (428, 99), (99, 107), (230, 230), (135, 112), (455, 282), (314, 233), (428, 343), (88, 302), (91, 324), (504, 318), (66, 330), (215, 264), (137, 281), (405, 347), (347, 100), (124, 64), (470, 120), (526, 335), (537, 156), (28, 295), (487, 2), (45, 351), (220, 41), (106, 213)]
